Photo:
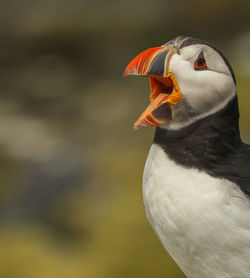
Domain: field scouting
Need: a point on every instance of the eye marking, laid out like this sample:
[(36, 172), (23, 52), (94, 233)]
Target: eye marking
[(200, 63)]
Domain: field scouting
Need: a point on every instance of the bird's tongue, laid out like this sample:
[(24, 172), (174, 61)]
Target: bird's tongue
[(164, 93)]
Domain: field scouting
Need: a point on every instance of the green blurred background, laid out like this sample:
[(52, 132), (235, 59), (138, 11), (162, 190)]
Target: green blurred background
[(71, 164)]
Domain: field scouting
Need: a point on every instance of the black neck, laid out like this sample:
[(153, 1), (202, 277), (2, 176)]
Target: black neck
[(205, 144)]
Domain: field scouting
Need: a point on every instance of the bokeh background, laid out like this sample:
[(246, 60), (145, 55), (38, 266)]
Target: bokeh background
[(71, 164)]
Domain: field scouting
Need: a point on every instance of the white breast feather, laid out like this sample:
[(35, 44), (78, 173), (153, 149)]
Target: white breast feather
[(202, 221)]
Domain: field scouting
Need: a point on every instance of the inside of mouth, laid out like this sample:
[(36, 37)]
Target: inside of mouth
[(160, 85), (162, 112)]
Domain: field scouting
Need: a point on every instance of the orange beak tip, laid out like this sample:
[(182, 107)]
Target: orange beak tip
[(137, 126), (125, 73), (130, 71)]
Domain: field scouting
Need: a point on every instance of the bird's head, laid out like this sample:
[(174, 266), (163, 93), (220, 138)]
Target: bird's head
[(189, 80)]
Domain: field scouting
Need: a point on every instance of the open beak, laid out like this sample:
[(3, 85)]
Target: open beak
[(165, 91)]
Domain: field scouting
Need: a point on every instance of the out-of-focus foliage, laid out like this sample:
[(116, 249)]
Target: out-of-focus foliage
[(71, 165)]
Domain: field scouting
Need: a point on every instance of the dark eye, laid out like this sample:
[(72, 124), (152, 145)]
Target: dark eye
[(200, 63)]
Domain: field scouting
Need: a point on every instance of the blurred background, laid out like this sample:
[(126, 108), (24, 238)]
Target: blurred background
[(71, 164)]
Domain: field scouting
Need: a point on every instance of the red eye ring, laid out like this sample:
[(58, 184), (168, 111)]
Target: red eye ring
[(200, 63)]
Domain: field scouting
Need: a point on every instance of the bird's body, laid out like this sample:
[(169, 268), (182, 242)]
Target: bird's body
[(193, 201), (196, 182), (202, 221)]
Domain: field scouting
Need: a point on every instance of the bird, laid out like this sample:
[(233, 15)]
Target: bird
[(196, 180)]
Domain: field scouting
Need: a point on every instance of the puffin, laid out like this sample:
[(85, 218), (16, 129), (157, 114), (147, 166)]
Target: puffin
[(196, 180)]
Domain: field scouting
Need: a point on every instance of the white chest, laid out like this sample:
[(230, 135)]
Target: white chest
[(202, 221)]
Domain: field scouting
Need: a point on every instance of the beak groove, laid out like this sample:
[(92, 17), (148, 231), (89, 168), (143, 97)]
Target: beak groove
[(151, 62)]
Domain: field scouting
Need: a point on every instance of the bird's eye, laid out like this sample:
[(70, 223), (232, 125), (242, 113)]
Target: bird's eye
[(200, 63)]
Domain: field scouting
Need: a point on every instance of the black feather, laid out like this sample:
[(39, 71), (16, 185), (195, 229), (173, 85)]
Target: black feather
[(211, 144)]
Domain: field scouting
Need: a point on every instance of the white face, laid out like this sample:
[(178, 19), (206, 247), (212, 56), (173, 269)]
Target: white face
[(203, 91)]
